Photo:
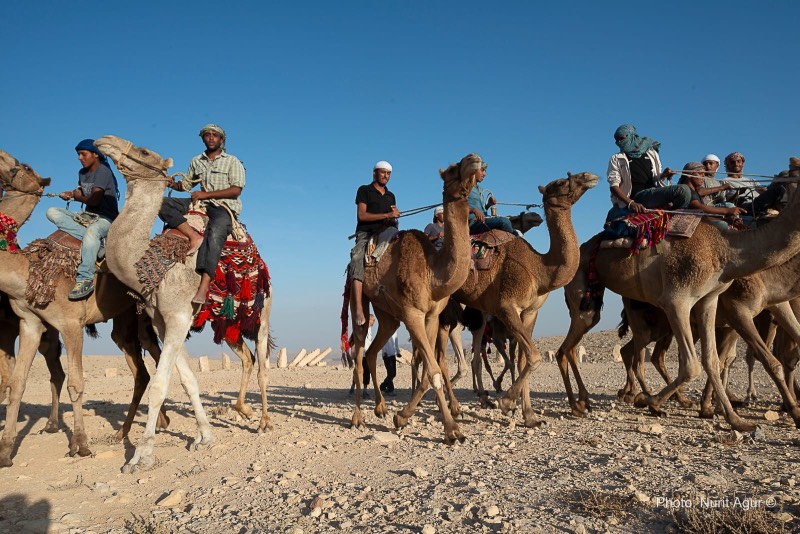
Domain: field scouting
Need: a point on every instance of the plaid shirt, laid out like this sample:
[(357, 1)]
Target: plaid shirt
[(224, 172)]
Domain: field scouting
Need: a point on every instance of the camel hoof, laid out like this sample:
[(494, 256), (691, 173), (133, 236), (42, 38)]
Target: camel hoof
[(264, 425), (202, 443), (706, 413), (6, 462), (744, 427), (455, 411), (143, 464), (507, 405), (246, 410), (456, 435), (400, 421), (584, 405), (656, 412), (532, 422), (357, 421), (486, 402), (51, 428), (577, 411), (498, 387), (119, 435), (641, 400)]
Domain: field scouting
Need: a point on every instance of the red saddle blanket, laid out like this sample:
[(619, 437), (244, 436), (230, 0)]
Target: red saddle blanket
[(236, 295)]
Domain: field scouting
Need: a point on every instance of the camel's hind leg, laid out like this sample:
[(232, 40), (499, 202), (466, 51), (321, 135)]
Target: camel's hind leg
[(50, 347), (264, 345), (241, 349)]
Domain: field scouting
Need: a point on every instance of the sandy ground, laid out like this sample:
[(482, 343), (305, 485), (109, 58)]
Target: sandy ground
[(617, 470)]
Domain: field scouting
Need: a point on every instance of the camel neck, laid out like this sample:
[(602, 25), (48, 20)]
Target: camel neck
[(561, 260), (18, 205), (129, 235), (454, 257)]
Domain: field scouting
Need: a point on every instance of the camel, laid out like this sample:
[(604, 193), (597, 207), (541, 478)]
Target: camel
[(18, 203), (521, 279), (683, 277), (170, 304), (412, 283), (522, 223), (110, 300)]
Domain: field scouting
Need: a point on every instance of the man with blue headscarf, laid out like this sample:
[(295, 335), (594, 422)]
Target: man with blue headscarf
[(636, 178), (97, 190)]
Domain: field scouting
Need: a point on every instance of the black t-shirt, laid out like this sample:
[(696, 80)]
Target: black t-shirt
[(641, 173), (376, 203)]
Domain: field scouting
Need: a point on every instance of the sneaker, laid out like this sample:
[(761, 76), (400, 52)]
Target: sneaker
[(81, 290)]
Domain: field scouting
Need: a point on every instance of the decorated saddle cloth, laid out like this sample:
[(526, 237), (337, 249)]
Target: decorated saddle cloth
[(8, 233), (51, 258), (484, 247), (638, 231), (237, 292)]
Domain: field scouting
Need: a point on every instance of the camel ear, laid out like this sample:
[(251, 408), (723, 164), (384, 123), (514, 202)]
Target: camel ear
[(168, 163), (541, 189), (569, 174), (441, 172)]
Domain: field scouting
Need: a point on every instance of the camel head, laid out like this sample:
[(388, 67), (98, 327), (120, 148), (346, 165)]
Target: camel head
[(565, 192), (525, 221), (133, 162), (16, 176), (459, 178)]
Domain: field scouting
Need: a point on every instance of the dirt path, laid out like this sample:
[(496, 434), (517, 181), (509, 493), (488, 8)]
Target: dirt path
[(618, 470)]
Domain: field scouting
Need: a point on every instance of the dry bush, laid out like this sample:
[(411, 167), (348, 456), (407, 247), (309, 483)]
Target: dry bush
[(730, 520), (598, 503), (142, 525)]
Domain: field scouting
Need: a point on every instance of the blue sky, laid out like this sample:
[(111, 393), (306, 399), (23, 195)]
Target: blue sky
[(312, 94)]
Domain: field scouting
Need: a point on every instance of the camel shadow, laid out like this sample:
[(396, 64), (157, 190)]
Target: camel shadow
[(26, 516)]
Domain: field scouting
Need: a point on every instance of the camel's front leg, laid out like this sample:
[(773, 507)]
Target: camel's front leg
[(458, 348), (441, 358), (30, 332), (192, 388), (263, 346)]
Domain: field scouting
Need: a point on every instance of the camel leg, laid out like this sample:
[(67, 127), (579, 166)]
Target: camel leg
[(30, 332), (148, 340), (241, 349), (521, 328), (263, 347), (786, 320), (498, 382), (50, 348), (423, 334), (629, 356), (477, 371), (442, 336), (387, 325), (706, 313), (659, 361), (173, 355), (8, 337), (581, 321), (458, 349), (73, 343), (127, 334), (359, 338), (678, 312)]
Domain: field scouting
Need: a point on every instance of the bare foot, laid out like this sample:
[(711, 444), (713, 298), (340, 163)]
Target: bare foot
[(194, 244)]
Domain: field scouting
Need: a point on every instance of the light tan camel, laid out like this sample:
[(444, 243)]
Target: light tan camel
[(170, 304), (683, 277), (110, 300), (521, 279), (412, 283)]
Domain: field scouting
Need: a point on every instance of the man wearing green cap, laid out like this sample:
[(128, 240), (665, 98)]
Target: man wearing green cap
[(221, 179), (97, 190)]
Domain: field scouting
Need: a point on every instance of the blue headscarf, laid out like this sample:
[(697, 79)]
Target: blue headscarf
[(633, 145), (88, 145)]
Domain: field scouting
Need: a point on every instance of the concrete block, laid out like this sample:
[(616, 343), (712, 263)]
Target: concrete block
[(203, 363), (282, 361), (226, 361)]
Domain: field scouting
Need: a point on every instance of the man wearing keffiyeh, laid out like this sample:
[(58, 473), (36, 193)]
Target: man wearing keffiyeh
[(636, 179)]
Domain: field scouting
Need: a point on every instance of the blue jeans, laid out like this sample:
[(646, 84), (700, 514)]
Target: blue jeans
[(91, 238), (490, 223), (660, 197)]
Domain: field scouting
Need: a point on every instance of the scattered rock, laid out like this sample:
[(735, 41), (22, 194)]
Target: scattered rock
[(419, 472), (771, 415), (111, 372), (173, 499)]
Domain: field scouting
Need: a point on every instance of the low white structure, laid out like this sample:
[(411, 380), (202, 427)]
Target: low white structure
[(226, 361), (296, 360), (202, 362), (282, 360), (307, 358), (617, 352), (317, 360)]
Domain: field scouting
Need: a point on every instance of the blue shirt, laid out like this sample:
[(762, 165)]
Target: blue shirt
[(475, 201)]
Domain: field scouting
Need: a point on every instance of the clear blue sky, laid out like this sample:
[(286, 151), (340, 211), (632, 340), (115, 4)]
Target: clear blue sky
[(312, 94)]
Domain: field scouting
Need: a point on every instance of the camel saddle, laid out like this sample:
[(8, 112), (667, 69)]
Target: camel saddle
[(50, 258), (484, 247), (638, 235), (378, 244)]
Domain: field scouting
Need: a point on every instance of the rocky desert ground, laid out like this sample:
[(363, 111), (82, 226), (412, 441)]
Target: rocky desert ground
[(617, 470)]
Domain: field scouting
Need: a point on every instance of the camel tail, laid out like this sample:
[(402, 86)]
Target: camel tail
[(472, 318), (623, 326), (91, 331)]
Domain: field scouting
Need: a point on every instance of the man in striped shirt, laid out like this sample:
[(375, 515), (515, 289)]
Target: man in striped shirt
[(221, 179)]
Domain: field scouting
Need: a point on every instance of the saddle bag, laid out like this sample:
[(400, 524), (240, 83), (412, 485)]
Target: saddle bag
[(85, 218)]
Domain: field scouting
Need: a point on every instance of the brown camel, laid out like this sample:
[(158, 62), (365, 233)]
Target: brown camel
[(170, 304), (412, 283), (110, 300), (521, 279), (23, 187), (683, 277)]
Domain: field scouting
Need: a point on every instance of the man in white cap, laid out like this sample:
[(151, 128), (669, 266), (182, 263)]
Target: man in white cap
[(376, 210), (221, 179), (435, 229), (712, 191)]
